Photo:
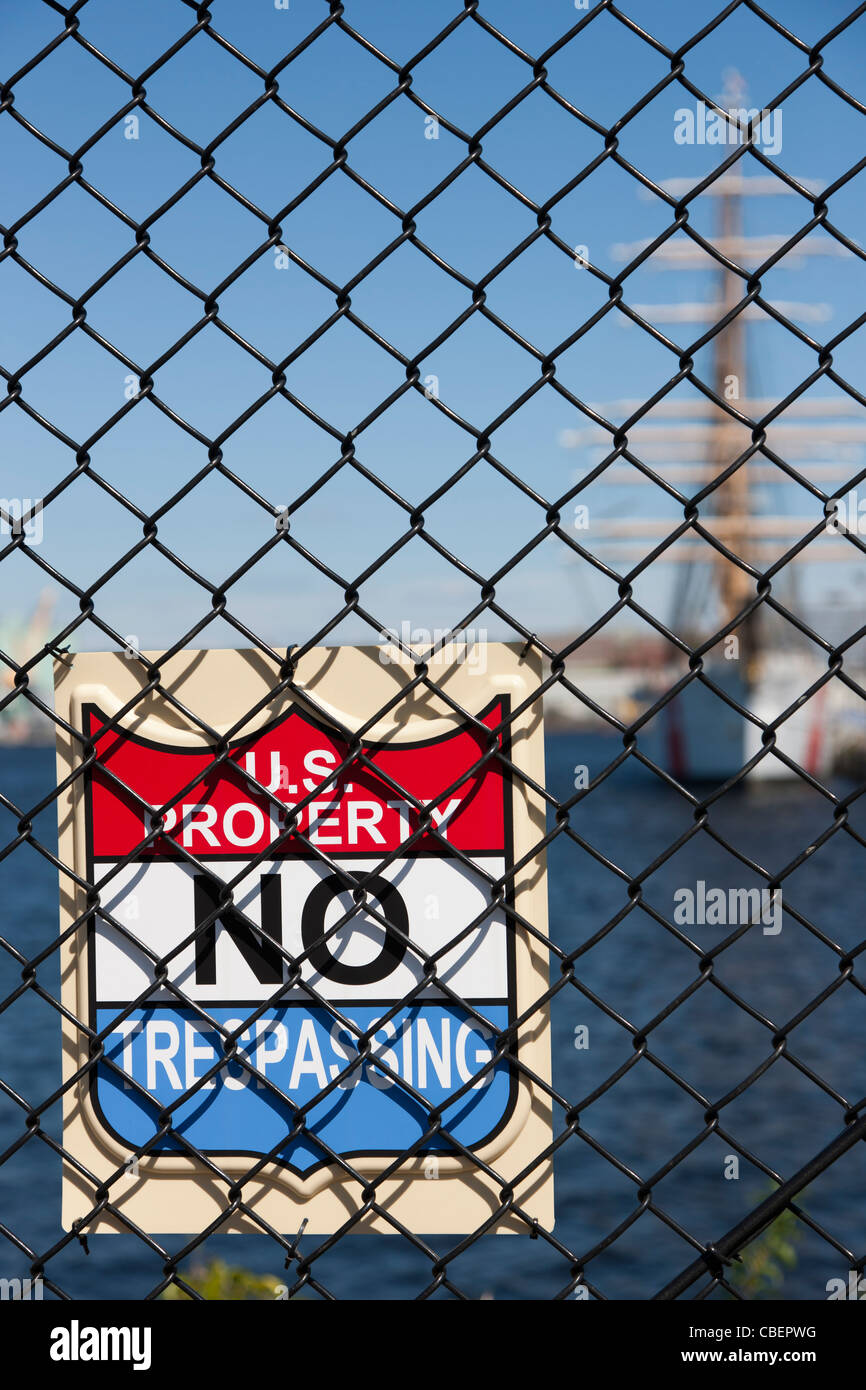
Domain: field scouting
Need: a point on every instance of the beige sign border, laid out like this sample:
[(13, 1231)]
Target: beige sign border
[(176, 1194)]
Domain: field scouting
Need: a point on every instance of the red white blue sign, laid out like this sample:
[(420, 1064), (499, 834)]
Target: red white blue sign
[(236, 923)]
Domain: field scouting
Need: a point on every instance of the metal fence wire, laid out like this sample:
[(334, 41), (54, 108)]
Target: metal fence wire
[(708, 1255)]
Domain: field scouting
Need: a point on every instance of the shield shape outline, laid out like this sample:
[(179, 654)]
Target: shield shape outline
[(365, 1159)]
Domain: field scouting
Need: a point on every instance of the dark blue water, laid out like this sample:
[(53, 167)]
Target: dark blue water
[(635, 972)]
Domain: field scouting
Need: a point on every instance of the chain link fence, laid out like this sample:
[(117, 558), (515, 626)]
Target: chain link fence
[(701, 1251)]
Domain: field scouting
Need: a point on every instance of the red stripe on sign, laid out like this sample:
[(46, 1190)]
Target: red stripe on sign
[(216, 812)]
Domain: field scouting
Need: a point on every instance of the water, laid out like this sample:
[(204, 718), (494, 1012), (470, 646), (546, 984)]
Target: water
[(638, 972)]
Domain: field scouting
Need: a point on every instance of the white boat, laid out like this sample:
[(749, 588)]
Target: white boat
[(698, 737), (691, 445)]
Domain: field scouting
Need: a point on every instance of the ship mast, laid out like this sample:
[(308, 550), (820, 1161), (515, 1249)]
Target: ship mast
[(692, 430), (729, 374)]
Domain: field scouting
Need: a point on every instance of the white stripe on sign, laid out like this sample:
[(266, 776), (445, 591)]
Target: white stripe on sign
[(432, 899)]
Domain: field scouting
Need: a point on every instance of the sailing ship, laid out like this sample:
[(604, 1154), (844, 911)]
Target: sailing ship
[(696, 449), (21, 720)]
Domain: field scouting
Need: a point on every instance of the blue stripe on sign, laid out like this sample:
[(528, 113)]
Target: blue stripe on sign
[(436, 1048)]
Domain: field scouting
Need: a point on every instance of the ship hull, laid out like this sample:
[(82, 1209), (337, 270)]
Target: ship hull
[(698, 736)]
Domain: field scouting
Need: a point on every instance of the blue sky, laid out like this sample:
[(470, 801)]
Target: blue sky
[(408, 300)]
